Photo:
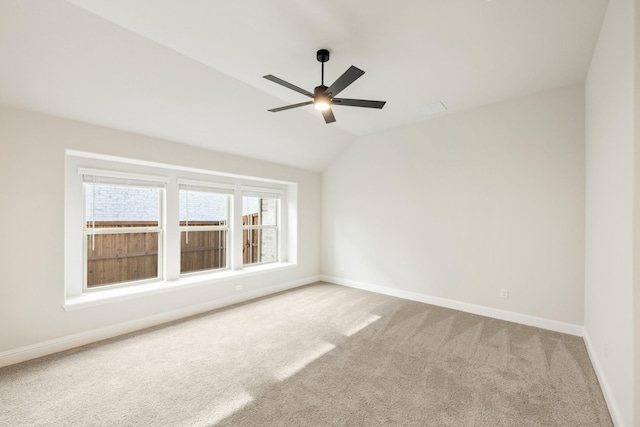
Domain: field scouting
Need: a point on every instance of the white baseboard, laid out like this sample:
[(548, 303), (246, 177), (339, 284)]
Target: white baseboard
[(510, 316), (614, 409), (55, 345)]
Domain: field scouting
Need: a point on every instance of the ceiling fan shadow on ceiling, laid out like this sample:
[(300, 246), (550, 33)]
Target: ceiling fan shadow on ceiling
[(323, 97)]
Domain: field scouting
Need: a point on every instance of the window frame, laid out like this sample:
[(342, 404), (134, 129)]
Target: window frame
[(77, 296), (119, 179), (213, 188), (263, 193)]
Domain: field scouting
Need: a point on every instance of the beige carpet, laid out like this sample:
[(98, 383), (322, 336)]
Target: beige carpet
[(320, 355)]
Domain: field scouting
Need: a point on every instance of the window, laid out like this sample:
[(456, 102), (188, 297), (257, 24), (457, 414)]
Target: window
[(259, 227), (204, 227), (122, 229), (134, 226)]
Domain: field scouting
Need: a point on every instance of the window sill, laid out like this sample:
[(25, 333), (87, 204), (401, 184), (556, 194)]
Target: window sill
[(94, 298)]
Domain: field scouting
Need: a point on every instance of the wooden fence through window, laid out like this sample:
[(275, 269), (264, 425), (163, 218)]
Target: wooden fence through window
[(123, 257), (120, 257)]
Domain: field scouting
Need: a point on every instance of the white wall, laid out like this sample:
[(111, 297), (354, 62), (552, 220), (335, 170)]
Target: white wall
[(463, 205), (610, 169), (32, 193)]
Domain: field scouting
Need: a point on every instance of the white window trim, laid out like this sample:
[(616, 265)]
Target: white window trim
[(76, 297), (122, 175), (214, 186)]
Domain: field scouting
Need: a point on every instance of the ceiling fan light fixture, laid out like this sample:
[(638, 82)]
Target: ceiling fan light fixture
[(322, 103)]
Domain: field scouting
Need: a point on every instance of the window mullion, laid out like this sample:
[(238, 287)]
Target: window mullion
[(172, 231), (236, 230)]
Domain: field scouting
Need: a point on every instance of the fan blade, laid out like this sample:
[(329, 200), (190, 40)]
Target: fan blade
[(349, 76), (328, 116), (288, 85), (288, 107), (358, 102)]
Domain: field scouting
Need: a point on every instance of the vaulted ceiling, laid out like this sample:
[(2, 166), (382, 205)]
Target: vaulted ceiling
[(191, 71)]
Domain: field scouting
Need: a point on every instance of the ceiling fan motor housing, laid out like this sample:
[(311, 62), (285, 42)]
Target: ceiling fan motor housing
[(322, 55), (319, 90)]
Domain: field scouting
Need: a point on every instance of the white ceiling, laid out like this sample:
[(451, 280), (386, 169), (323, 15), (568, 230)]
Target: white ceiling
[(191, 71)]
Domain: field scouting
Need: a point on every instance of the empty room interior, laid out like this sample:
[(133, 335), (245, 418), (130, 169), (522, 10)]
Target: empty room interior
[(320, 213)]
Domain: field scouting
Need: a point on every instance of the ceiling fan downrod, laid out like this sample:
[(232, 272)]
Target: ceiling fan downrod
[(323, 56)]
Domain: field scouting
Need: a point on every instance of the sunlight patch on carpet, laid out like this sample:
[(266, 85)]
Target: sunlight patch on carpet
[(306, 358), (360, 326)]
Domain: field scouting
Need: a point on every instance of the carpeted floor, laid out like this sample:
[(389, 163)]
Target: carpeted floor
[(320, 355)]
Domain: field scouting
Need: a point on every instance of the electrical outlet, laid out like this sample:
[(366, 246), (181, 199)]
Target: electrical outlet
[(238, 287), (504, 293)]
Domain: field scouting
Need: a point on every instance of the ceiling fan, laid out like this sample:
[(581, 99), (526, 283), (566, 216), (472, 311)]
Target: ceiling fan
[(323, 96)]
